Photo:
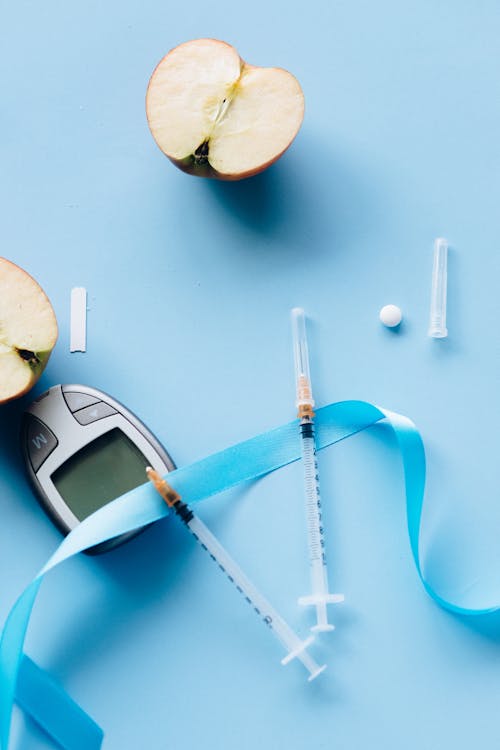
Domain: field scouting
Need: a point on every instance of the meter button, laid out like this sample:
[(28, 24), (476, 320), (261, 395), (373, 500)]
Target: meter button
[(41, 442), (77, 401), (92, 413)]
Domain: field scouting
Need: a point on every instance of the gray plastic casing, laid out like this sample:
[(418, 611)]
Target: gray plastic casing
[(52, 410)]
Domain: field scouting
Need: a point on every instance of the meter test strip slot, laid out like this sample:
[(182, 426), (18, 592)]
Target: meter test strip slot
[(283, 632), (83, 449)]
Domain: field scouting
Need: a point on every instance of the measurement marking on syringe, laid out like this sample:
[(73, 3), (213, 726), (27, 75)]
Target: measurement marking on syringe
[(278, 626), (268, 619)]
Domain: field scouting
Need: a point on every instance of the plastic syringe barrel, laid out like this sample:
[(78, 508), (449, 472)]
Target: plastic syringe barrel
[(320, 596), (312, 494), (437, 318), (287, 637)]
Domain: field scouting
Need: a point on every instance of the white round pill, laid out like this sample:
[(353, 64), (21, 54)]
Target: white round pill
[(391, 315)]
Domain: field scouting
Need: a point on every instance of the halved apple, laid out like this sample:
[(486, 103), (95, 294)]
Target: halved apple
[(28, 331), (215, 115)]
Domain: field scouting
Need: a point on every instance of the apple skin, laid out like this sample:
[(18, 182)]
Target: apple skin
[(188, 164), (37, 363), (36, 371), (37, 367)]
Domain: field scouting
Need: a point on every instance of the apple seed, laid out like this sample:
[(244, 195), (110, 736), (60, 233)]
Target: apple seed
[(201, 154), (28, 356)]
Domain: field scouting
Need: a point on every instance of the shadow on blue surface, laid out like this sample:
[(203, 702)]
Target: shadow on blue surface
[(137, 576), (285, 201), (10, 456), (258, 201), (486, 625)]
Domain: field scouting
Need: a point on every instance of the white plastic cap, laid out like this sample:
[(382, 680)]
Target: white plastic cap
[(437, 318), (301, 357)]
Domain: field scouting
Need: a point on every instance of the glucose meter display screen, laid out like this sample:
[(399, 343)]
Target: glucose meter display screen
[(100, 472)]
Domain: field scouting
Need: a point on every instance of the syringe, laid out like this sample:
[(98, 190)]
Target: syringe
[(320, 596), (295, 646)]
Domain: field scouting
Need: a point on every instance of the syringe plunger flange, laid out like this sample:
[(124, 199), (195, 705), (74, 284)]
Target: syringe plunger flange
[(311, 600), (300, 652)]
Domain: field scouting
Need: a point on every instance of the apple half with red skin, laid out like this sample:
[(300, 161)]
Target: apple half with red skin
[(215, 115), (28, 331)]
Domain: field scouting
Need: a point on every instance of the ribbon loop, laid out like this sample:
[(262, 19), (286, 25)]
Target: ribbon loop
[(243, 462)]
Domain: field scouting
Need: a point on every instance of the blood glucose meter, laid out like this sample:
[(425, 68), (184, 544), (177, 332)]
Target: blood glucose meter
[(82, 450)]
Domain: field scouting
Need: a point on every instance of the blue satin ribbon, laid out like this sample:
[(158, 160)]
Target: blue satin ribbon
[(52, 708), (243, 462)]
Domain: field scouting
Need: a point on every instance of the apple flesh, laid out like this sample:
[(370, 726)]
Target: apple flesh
[(28, 331), (215, 115)]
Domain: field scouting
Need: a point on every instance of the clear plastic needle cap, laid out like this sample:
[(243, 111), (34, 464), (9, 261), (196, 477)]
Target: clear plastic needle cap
[(437, 321), (301, 357)]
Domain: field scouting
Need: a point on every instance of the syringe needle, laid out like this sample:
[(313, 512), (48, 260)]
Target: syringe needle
[(320, 596), (287, 637)]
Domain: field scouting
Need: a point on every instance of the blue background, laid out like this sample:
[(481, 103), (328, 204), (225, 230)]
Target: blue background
[(190, 284)]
